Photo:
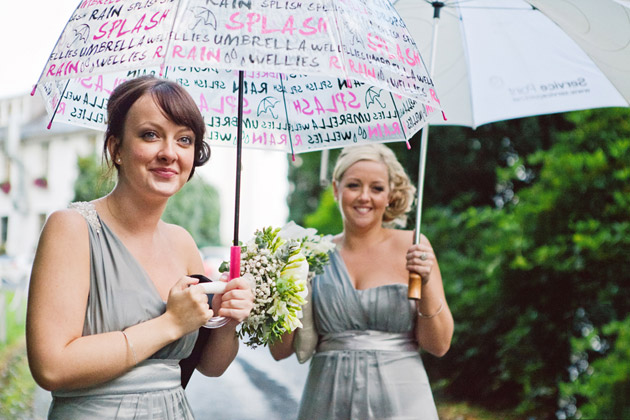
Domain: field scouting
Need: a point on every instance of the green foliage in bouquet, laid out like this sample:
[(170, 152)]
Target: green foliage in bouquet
[(278, 263)]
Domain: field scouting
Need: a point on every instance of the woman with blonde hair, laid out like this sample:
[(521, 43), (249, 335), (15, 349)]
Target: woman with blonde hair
[(366, 363)]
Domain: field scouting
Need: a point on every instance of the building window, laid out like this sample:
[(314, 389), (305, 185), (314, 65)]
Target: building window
[(4, 230)]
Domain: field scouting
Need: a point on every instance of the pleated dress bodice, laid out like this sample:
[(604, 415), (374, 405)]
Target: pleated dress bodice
[(367, 364)]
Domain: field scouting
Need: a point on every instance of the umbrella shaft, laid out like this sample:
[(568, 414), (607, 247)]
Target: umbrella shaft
[(239, 150), (423, 160), (424, 138)]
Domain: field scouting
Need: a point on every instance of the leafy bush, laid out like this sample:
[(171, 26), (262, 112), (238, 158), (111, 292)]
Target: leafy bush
[(517, 276), (599, 389), (326, 218)]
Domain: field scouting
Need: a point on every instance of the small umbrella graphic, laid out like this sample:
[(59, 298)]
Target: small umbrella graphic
[(204, 17), (82, 33), (267, 105), (372, 96)]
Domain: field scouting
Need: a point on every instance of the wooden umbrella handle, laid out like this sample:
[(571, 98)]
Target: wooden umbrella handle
[(415, 286)]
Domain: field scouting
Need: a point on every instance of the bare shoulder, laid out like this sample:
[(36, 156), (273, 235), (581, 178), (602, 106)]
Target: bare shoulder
[(407, 236), (63, 246), (178, 235), (184, 244), (401, 238), (66, 223)]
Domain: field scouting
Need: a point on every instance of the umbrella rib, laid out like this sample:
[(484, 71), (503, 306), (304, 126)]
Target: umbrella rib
[(168, 41), (56, 43), (58, 103), (402, 126), (460, 4), (341, 49), (286, 115)]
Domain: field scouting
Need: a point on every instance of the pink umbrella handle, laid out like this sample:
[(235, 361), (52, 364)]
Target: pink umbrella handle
[(235, 262)]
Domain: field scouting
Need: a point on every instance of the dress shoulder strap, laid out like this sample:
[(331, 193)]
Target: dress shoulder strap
[(87, 210)]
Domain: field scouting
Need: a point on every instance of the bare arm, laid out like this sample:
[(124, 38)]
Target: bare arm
[(59, 356), (433, 332), (235, 303), (283, 348)]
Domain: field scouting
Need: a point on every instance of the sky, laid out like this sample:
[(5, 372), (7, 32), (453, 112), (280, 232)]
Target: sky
[(28, 32)]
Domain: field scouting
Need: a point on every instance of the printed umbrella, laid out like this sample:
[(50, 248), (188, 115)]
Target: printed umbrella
[(494, 60), (273, 75), (276, 75)]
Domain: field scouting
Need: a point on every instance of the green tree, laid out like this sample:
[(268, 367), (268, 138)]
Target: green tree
[(305, 184), (519, 277), (326, 218), (600, 389), (196, 208), (93, 181)]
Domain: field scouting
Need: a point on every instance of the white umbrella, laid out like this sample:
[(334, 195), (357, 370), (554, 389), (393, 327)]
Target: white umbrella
[(494, 60)]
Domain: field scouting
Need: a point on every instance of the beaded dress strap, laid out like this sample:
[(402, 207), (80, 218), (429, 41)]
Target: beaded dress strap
[(87, 210)]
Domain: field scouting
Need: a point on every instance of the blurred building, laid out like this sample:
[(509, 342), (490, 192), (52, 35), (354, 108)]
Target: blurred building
[(38, 167)]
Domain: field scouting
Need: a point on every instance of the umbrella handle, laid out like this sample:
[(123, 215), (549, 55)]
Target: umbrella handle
[(235, 262), (415, 286)]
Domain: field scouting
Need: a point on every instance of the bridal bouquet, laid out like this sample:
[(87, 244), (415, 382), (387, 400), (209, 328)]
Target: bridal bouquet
[(278, 263)]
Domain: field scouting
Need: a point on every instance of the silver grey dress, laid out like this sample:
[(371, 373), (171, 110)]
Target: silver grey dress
[(367, 364), (122, 295)]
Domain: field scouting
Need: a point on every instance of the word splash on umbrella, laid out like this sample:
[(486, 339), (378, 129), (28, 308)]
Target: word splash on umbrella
[(318, 74)]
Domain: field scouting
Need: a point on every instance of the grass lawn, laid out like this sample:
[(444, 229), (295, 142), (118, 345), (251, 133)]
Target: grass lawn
[(16, 383)]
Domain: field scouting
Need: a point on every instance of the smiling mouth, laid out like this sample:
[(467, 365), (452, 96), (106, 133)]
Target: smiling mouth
[(362, 210), (167, 173)]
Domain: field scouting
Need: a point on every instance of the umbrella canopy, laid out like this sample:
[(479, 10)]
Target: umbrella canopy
[(275, 75), (494, 60), (316, 75), (502, 59)]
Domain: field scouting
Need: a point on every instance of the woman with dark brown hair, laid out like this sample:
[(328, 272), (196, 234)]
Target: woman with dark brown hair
[(112, 307)]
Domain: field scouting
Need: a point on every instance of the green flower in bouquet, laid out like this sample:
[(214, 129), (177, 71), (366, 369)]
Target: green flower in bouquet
[(278, 263)]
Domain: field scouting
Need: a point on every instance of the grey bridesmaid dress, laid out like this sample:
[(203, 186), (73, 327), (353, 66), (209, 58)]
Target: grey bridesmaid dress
[(122, 295), (367, 364)]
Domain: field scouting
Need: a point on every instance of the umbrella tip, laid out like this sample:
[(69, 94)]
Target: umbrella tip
[(444, 116), (33, 91), (408, 145), (49, 125)]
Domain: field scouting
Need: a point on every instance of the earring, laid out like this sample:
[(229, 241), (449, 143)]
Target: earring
[(118, 161)]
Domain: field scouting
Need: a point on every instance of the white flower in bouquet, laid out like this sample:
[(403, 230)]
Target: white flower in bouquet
[(278, 263), (314, 246)]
